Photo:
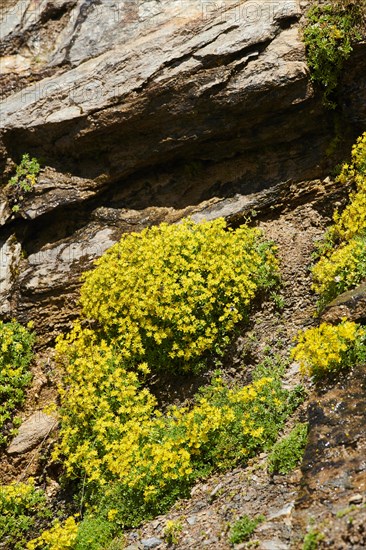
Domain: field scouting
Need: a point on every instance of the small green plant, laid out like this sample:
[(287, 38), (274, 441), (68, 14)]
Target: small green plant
[(172, 531), (288, 452), (244, 528), (273, 364), (330, 33), (24, 180), (312, 539), (346, 511), (118, 543), (94, 533), (23, 509), (278, 300), (16, 343)]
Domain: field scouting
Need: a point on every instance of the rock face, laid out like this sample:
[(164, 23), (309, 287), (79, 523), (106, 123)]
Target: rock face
[(32, 432), (133, 86), (350, 305), (334, 465), (143, 110)]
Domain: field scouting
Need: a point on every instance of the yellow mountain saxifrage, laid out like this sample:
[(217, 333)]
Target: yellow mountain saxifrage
[(343, 269), (23, 510), (61, 536), (123, 440), (352, 220), (327, 348), (101, 402), (343, 261), (166, 298), (173, 293)]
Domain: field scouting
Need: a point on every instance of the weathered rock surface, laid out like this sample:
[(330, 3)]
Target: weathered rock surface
[(168, 82), (334, 466), (32, 432), (350, 304)]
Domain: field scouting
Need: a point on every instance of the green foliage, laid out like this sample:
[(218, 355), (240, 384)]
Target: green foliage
[(118, 543), (273, 364), (94, 533), (330, 33), (328, 348), (25, 179), (22, 508), (342, 264), (287, 453), (278, 300), (16, 344), (346, 511), (312, 539), (244, 528), (173, 294)]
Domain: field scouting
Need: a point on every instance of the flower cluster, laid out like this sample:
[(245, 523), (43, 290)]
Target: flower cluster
[(172, 294), (113, 431), (328, 348), (22, 507), (16, 344), (167, 298), (101, 402), (61, 536), (343, 264)]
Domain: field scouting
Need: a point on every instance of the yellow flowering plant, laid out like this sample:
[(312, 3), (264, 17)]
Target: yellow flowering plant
[(344, 268), (166, 298), (342, 264), (151, 457), (23, 509), (16, 343), (61, 536), (352, 221), (172, 530), (328, 348), (172, 295)]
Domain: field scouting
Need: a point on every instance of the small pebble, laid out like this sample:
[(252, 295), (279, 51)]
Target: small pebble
[(151, 543), (192, 520), (356, 499)]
